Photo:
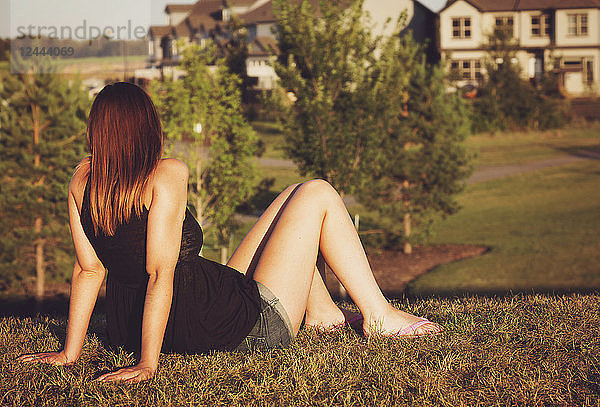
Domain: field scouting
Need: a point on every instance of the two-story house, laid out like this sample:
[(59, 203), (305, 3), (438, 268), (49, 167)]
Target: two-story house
[(207, 20), (545, 31)]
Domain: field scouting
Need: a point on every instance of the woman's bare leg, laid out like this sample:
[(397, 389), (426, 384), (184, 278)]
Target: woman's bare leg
[(315, 218), (247, 253), (320, 310)]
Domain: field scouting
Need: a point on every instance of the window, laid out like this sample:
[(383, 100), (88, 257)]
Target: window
[(578, 24), (583, 65), (540, 25), (589, 72), (461, 27), (467, 69), (504, 25)]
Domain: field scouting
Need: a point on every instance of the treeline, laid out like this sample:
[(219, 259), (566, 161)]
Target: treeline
[(42, 138), (101, 47)]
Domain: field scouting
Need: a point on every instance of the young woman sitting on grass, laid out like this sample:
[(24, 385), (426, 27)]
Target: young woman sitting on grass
[(127, 211)]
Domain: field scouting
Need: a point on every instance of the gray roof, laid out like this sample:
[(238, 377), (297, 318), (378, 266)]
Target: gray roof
[(515, 5)]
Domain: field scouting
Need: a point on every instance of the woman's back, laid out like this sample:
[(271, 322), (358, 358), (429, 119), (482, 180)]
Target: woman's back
[(213, 306), (124, 254)]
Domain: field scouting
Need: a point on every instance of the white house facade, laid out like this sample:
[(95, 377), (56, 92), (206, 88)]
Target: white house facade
[(566, 31)]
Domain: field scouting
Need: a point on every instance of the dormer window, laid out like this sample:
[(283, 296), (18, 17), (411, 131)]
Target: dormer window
[(578, 24), (540, 25), (461, 27)]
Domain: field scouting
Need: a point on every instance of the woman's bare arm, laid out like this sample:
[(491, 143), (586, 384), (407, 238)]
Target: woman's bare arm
[(165, 224), (88, 274)]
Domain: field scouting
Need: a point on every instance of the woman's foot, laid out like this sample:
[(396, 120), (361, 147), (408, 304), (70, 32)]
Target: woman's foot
[(393, 322)]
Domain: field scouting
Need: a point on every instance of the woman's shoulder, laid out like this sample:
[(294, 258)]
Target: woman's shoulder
[(79, 180), (171, 167), (170, 177), (168, 186), (170, 171)]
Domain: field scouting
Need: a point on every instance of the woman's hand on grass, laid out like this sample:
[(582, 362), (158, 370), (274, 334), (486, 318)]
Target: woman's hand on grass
[(52, 358), (131, 374)]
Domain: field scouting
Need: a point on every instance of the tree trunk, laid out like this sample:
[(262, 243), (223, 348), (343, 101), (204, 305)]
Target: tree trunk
[(224, 254), (40, 267), (407, 245)]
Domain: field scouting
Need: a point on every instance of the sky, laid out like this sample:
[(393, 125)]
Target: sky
[(113, 17)]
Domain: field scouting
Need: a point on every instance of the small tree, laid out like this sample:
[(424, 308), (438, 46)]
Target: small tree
[(370, 116), (422, 163), (4, 49), (203, 121), (236, 53), (42, 127), (339, 86)]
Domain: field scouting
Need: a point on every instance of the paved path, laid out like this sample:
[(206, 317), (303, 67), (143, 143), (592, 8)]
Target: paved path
[(484, 173), (487, 173), (276, 162)]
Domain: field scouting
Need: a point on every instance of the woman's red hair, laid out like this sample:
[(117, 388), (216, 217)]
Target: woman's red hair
[(126, 140)]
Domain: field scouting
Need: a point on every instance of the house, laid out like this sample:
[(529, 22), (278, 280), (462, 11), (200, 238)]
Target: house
[(545, 31), (207, 20)]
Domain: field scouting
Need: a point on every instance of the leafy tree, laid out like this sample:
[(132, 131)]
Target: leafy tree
[(42, 127), (337, 82), (422, 163), (202, 118), (236, 53), (369, 114)]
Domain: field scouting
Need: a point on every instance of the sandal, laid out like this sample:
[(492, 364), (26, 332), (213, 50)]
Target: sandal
[(410, 331)]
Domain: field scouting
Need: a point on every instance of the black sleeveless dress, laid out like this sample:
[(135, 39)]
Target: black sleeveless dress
[(214, 306)]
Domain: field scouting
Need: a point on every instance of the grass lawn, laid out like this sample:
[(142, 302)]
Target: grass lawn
[(273, 138), (541, 228), (524, 147), (61, 62), (518, 350)]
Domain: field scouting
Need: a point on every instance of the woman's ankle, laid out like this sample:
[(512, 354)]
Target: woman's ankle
[(325, 318)]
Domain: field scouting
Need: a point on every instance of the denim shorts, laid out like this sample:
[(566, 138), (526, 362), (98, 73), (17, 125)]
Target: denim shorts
[(273, 328)]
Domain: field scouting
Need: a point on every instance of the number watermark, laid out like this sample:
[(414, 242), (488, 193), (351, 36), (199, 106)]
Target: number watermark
[(45, 36)]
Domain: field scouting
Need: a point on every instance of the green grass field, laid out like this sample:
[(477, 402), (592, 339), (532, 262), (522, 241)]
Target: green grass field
[(524, 147), (519, 350), (541, 228), (100, 60), (272, 137)]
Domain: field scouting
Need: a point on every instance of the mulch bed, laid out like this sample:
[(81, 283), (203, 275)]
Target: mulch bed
[(393, 270)]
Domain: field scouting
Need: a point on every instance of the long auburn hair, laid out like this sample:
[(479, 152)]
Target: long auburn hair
[(126, 140)]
